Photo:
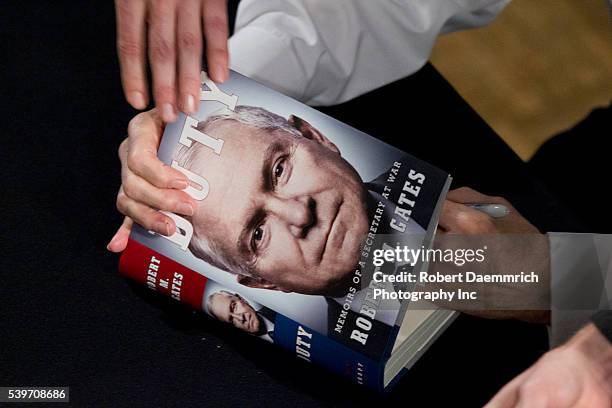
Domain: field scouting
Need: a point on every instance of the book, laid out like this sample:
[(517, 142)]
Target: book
[(293, 206)]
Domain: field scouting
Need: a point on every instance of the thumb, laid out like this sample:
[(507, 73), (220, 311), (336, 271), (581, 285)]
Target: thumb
[(120, 239)]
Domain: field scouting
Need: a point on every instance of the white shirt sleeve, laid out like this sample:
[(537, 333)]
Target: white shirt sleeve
[(324, 52)]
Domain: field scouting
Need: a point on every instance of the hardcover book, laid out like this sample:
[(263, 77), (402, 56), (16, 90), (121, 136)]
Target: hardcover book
[(292, 206)]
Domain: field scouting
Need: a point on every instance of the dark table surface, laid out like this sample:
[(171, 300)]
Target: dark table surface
[(67, 318)]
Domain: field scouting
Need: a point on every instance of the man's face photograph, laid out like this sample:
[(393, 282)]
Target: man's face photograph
[(231, 308), (283, 204)]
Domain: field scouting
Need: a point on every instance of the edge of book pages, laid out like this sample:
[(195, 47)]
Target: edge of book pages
[(418, 328)]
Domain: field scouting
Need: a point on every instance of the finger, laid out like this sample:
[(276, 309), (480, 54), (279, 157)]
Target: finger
[(120, 239), (145, 216), (140, 157), (141, 191), (189, 35), (162, 55), (467, 195), (214, 13), (131, 50), (459, 219)]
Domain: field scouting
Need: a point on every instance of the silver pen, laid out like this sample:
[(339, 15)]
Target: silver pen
[(493, 210)]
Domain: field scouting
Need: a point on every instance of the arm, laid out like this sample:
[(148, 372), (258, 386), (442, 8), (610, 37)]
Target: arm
[(327, 52)]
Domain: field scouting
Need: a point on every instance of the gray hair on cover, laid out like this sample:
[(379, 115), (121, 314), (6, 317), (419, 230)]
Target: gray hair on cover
[(209, 302), (201, 246)]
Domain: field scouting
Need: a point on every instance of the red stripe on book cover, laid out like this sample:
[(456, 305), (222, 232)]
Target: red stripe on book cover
[(162, 274)]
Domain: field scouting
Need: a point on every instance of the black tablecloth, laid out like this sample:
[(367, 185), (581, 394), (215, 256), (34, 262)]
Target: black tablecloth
[(67, 318)]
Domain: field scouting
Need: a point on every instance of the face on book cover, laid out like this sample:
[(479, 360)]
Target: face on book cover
[(231, 308), (293, 214)]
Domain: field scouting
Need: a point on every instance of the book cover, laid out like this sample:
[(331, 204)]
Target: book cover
[(291, 206)]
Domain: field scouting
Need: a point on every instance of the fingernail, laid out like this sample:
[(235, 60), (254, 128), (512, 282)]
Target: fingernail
[(185, 208), (138, 100), (168, 112), (179, 184), (163, 228), (219, 73), (189, 104)]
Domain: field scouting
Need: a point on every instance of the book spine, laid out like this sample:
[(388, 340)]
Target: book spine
[(164, 275)]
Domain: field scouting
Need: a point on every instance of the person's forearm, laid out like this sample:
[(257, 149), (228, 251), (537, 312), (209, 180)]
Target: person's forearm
[(329, 52)]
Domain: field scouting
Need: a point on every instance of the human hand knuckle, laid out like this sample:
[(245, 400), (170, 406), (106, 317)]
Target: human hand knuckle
[(135, 124), (216, 23), (129, 190), (465, 220), (120, 203), (188, 41), (161, 49), (133, 159), (128, 47)]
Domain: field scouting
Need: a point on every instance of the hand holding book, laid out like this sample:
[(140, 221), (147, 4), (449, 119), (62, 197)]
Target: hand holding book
[(148, 184)]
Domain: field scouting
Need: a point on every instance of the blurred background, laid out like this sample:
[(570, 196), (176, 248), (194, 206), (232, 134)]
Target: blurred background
[(535, 71)]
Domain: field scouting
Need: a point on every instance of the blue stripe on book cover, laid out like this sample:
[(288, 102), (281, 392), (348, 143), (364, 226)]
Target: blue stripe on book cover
[(313, 347)]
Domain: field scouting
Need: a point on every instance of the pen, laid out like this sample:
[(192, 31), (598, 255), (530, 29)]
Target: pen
[(493, 210)]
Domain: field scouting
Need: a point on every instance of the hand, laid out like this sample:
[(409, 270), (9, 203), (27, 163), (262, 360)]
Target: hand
[(513, 245), (577, 374), (148, 184), (172, 31), (458, 218)]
